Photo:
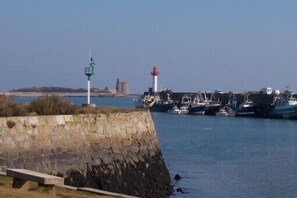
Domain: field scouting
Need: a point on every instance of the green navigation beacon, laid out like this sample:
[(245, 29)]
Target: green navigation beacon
[(89, 71)]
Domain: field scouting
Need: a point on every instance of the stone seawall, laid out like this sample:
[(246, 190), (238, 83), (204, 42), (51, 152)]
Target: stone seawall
[(117, 152)]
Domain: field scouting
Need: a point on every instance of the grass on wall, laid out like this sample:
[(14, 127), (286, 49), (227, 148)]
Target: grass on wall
[(51, 105)]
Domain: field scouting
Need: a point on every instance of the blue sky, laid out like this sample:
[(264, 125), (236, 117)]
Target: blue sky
[(232, 45)]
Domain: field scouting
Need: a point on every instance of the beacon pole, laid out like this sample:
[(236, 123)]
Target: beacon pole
[(89, 71), (89, 91)]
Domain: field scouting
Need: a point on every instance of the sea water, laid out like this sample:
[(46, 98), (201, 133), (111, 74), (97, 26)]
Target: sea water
[(229, 156), (220, 157)]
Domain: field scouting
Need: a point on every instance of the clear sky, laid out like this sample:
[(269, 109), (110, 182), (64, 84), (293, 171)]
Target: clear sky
[(231, 45)]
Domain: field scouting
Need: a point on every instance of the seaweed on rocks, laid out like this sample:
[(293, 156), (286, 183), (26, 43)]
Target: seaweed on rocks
[(148, 178)]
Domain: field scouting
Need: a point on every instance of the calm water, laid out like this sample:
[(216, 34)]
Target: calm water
[(225, 157), (230, 157)]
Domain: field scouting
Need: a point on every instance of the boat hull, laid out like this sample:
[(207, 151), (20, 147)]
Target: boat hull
[(246, 111), (289, 112), (161, 107), (197, 110), (225, 113), (212, 109)]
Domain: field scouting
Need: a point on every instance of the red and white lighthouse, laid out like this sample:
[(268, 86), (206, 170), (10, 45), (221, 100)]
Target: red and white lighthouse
[(155, 74)]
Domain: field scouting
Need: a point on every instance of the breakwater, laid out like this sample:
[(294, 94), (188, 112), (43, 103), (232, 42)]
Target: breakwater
[(116, 152)]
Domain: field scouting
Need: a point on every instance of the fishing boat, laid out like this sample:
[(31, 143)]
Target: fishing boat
[(211, 106), (174, 110), (186, 100), (162, 104), (158, 102), (145, 101), (247, 108), (285, 106), (197, 106), (225, 111)]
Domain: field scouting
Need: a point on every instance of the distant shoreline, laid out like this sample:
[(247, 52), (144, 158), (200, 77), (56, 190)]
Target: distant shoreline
[(64, 94)]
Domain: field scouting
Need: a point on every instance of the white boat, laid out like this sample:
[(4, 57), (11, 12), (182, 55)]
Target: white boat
[(184, 110), (226, 111), (174, 110)]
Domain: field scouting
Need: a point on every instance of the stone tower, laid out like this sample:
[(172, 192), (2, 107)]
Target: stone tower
[(124, 88), (118, 86)]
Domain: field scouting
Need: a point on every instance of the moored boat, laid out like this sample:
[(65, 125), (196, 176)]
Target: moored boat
[(285, 107), (174, 110), (247, 108), (225, 111), (197, 106), (154, 102), (211, 106), (184, 110), (197, 109), (145, 101), (161, 106)]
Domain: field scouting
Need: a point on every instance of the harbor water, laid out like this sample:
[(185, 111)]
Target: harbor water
[(224, 156), (229, 156)]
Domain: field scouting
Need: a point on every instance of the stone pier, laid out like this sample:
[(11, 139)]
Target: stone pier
[(117, 152)]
